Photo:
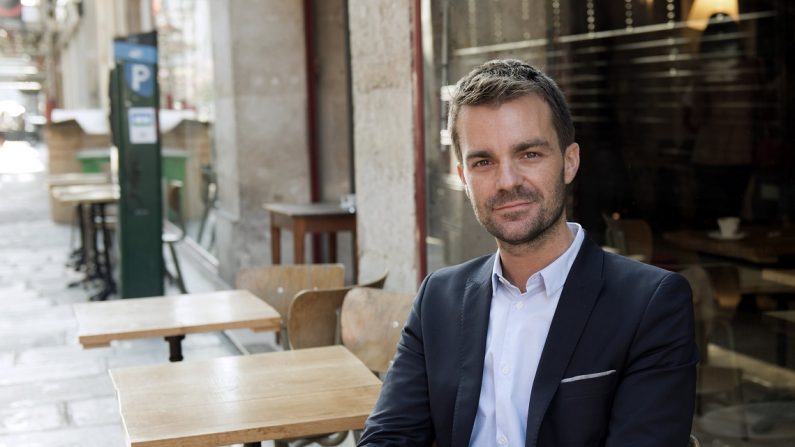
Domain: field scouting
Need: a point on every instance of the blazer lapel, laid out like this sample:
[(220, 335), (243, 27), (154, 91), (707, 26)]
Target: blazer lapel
[(574, 307), (473, 326)]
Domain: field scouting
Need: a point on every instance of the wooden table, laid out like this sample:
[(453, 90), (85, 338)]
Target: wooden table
[(767, 423), (780, 276), (310, 218), (754, 281), (86, 193), (96, 197), (760, 246), (172, 317), (76, 178), (278, 395), (785, 320)]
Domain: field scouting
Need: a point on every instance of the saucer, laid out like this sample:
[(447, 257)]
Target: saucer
[(734, 237)]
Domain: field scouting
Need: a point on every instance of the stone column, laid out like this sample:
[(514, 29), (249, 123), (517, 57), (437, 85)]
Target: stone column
[(260, 123), (381, 65)]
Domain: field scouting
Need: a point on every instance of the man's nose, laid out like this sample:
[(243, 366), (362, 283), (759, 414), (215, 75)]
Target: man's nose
[(508, 176)]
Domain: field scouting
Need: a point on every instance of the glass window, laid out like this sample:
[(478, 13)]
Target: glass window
[(682, 111)]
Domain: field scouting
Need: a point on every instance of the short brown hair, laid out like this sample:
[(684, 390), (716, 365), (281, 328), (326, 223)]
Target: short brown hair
[(501, 80)]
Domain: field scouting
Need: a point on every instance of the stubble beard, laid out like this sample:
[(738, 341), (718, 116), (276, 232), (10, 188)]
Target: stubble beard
[(536, 229)]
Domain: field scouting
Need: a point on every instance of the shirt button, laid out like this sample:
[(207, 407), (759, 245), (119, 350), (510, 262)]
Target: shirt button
[(506, 369), (502, 440), (519, 304)]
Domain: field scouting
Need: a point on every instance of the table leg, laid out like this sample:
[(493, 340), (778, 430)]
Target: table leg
[(93, 237), (332, 247), (175, 347), (299, 233), (276, 244), (355, 257), (81, 254), (110, 284), (781, 332), (317, 248)]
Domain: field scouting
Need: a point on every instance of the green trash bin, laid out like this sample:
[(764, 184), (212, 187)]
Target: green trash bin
[(172, 163)]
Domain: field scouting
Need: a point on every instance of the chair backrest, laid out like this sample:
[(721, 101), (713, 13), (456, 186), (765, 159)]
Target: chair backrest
[(704, 304), (725, 279), (278, 284), (174, 203), (377, 283), (630, 237), (704, 307), (371, 321), (314, 315)]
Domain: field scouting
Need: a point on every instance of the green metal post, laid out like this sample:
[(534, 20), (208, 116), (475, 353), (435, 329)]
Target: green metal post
[(135, 98)]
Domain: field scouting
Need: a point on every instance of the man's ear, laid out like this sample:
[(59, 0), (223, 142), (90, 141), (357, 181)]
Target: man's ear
[(571, 162), (460, 168)]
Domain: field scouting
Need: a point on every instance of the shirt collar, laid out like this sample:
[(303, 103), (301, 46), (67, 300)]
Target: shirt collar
[(553, 276)]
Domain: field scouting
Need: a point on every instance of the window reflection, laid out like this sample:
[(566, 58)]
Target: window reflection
[(680, 124)]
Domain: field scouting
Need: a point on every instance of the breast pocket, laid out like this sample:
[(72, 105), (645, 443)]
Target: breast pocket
[(587, 385), (586, 404)]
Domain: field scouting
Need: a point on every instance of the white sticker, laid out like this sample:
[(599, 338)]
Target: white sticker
[(142, 125)]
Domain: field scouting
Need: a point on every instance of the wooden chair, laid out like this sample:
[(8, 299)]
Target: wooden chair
[(278, 284), (713, 380), (313, 318), (174, 231), (631, 237), (725, 281), (371, 322)]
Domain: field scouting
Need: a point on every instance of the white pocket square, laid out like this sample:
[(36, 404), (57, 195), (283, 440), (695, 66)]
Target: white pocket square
[(588, 376)]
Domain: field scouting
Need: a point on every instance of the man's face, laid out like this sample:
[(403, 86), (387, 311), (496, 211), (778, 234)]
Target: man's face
[(514, 173)]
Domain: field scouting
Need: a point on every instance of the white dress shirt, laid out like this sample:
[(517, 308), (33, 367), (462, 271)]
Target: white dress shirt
[(518, 327)]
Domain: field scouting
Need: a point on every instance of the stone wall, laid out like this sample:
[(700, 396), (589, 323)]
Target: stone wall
[(381, 65), (260, 123)]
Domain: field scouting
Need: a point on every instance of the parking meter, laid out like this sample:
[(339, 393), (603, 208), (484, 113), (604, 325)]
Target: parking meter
[(136, 136)]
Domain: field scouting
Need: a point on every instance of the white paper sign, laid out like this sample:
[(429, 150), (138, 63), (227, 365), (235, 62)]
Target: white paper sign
[(142, 125)]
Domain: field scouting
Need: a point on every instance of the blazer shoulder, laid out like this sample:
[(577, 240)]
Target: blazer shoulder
[(474, 268), (626, 271)]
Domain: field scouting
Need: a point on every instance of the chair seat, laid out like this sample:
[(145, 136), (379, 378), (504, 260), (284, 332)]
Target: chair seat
[(717, 379), (171, 238)]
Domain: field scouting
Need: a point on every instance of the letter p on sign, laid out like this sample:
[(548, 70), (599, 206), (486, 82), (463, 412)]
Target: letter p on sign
[(140, 74)]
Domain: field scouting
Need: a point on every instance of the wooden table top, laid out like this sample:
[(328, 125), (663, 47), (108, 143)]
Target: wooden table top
[(230, 400), (754, 281), (99, 323), (760, 245), (786, 315), (99, 193), (780, 276), (76, 178), (309, 209)]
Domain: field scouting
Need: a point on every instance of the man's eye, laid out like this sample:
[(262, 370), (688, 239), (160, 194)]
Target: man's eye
[(480, 163), (531, 155)]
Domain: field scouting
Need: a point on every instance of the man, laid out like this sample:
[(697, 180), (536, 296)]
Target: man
[(551, 341)]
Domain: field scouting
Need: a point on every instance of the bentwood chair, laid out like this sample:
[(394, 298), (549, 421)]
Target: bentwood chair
[(174, 231), (631, 237), (371, 322), (277, 285), (714, 380), (314, 315)]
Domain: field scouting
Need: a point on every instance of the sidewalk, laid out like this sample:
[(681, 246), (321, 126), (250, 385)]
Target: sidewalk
[(52, 392)]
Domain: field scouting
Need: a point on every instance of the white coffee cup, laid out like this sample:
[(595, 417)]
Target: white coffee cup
[(728, 226), (348, 201)]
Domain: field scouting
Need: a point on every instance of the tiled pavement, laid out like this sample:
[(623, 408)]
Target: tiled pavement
[(52, 392)]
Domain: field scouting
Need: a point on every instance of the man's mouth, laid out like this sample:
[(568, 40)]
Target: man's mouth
[(511, 206)]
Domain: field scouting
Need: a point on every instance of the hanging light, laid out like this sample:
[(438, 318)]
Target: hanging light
[(701, 11)]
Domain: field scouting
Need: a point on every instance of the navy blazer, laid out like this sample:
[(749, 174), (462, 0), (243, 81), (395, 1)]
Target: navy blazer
[(614, 314)]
